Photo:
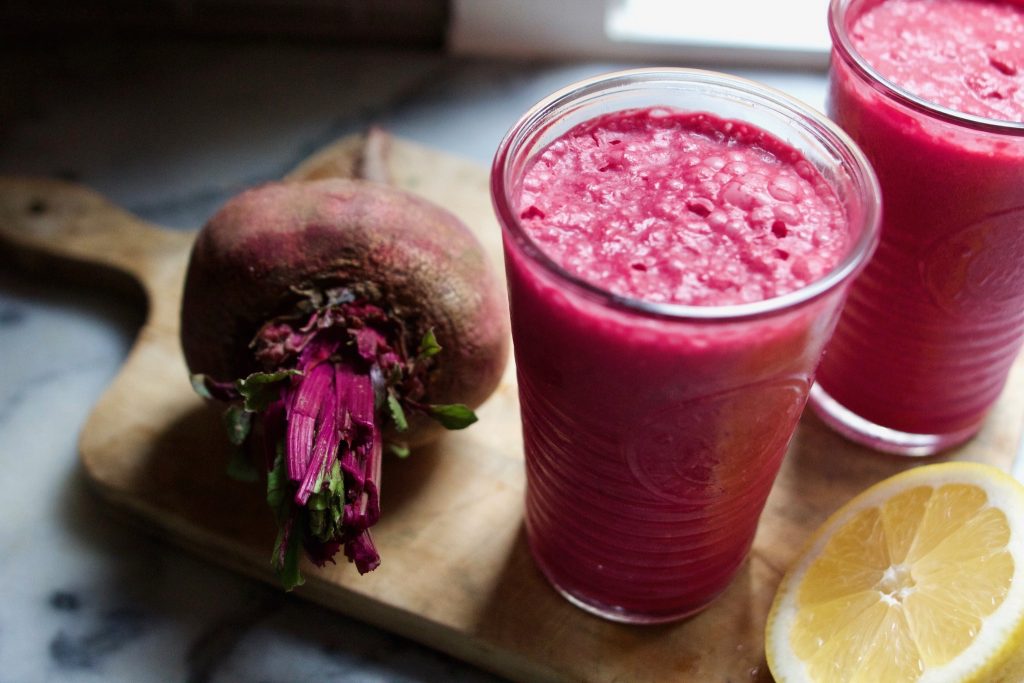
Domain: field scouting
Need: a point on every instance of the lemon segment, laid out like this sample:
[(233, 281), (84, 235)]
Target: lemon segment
[(920, 579)]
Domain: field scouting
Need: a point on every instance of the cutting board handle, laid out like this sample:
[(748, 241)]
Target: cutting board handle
[(45, 221)]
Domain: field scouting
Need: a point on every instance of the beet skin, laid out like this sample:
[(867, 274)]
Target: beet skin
[(407, 255)]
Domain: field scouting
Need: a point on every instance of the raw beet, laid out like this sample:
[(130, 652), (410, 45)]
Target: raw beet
[(415, 259), (393, 267)]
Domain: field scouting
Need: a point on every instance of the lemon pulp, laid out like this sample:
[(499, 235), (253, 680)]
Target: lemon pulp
[(902, 585)]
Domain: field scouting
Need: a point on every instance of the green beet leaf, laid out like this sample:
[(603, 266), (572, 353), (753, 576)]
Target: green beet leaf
[(326, 507), (428, 345), (452, 415), (260, 389), (399, 449), (278, 494), (397, 414), (238, 422), (288, 568)]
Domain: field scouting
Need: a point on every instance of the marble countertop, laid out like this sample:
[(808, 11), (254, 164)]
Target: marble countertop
[(169, 130)]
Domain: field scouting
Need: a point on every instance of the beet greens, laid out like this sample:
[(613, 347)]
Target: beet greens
[(336, 370)]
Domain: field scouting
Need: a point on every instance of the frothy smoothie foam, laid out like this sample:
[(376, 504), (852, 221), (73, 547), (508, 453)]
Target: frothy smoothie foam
[(652, 442), (684, 208), (966, 55)]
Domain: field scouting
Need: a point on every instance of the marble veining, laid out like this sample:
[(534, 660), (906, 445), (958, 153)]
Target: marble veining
[(208, 652), (11, 316), (103, 636), (169, 130)]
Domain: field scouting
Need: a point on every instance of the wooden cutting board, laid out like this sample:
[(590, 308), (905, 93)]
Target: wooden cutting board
[(456, 573)]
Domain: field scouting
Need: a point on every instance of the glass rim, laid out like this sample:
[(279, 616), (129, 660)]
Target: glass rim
[(861, 174), (842, 44)]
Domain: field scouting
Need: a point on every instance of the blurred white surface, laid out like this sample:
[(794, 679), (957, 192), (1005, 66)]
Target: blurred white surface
[(752, 32)]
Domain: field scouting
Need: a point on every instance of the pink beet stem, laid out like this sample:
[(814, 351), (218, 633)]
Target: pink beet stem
[(303, 410), (364, 509), (360, 409), (373, 467), (326, 444), (367, 341), (343, 376), (361, 404), (363, 552)]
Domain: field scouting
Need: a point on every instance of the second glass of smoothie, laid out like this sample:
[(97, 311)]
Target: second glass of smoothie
[(933, 92), (678, 244)]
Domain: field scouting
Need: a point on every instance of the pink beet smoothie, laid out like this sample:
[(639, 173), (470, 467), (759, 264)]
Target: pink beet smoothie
[(936, 319), (683, 208), (651, 441)]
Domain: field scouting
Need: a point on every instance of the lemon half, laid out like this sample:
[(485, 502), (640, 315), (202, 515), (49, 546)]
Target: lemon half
[(918, 579)]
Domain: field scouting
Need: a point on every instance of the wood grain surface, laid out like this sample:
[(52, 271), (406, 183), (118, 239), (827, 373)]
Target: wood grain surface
[(456, 573)]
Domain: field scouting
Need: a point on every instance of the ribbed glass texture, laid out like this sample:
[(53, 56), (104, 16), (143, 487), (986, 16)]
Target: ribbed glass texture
[(653, 432)]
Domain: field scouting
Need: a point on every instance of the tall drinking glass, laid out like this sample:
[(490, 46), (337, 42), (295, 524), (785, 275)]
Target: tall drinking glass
[(653, 431), (934, 323)]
